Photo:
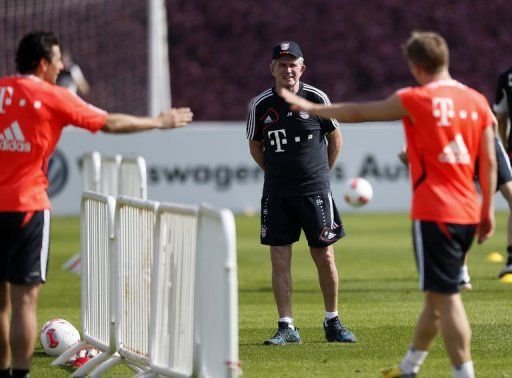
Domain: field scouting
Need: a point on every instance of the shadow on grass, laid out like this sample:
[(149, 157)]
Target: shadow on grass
[(387, 289)]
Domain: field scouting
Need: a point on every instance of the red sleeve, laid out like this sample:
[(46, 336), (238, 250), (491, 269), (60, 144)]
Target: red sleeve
[(407, 96), (72, 110)]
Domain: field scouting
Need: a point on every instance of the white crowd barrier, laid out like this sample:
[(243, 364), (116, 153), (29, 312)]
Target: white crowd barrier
[(109, 174), (172, 325), (115, 174), (135, 222), (156, 277), (97, 237), (216, 314), (133, 177), (112, 175), (91, 171)]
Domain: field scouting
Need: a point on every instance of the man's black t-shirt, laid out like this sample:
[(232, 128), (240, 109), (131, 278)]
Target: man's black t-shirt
[(295, 147), (503, 100)]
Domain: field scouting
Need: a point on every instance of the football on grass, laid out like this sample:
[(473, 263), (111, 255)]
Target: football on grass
[(358, 192), (57, 335)]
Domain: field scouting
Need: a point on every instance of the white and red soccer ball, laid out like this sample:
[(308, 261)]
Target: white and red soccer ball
[(358, 192), (57, 335)]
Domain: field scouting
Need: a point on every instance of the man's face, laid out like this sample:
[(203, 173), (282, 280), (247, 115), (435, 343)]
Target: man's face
[(287, 71), (54, 66)]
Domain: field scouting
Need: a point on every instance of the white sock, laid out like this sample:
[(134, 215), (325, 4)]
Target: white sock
[(288, 320), (330, 315), (464, 273), (465, 370), (413, 360)]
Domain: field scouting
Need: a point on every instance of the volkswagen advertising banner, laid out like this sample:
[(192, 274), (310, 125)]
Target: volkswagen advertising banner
[(210, 162)]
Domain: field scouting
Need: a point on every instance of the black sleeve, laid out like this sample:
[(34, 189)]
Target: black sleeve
[(253, 129), (327, 125)]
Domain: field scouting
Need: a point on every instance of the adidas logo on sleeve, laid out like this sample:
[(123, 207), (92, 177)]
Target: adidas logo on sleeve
[(12, 139)]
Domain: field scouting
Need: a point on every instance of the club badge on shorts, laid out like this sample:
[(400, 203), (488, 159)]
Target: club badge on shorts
[(330, 234)]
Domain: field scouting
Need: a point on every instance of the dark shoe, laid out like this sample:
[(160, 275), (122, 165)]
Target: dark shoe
[(336, 331), (284, 335)]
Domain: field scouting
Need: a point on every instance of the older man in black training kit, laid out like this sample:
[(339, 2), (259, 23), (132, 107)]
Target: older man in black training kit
[(297, 150)]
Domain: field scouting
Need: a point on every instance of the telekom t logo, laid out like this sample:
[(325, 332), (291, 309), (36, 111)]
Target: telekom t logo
[(5, 96), (276, 139), (443, 109)]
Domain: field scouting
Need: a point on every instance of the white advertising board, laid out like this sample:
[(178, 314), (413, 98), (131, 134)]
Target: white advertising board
[(210, 162)]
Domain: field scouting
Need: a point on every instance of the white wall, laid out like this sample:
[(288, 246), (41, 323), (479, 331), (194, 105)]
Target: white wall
[(210, 162)]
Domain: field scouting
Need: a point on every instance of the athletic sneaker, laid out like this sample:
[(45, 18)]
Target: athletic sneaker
[(336, 331), (395, 372), (506, 270), (466, 285), (284, 335)]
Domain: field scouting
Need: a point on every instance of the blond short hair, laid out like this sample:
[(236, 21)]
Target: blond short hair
[(427, 50)]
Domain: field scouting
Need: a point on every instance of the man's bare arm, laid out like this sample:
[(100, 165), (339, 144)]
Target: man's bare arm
[(256, 149), (389, 109), (487, 180), (169, 119), (334, 147)]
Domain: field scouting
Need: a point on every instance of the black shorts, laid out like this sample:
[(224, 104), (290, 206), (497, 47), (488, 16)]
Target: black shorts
[(504, 169), (24, 246), (440, 249), (282, 218)]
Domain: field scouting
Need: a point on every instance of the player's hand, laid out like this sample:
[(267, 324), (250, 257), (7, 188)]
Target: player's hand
[(175, 117), (486, 227), (296, 102)]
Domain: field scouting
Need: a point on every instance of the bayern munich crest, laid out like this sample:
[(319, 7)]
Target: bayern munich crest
[(304, 115), (263, 232), (285, 46)]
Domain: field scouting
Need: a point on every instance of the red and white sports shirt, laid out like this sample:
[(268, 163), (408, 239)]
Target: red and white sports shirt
[(443, 131), (33, 114)]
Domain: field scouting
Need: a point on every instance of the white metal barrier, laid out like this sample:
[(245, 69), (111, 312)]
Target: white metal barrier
[(172, 312), (91, 171), (97, 237), (156, 278), (109, 174), (216, 301), (135, 222), (133, 179), (115, 174)]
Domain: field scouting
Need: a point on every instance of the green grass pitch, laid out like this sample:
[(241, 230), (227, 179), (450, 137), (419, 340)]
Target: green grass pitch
[(379, 302)]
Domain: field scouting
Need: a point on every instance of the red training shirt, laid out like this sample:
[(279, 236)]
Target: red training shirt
[(33, 114), (443, 132)]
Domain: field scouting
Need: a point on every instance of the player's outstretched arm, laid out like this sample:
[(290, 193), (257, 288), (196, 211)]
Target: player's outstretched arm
[(389, 109), (169, 119), (487, 180)]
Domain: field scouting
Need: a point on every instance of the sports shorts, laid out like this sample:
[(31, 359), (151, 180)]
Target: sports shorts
[(282, 219), (24, 246), (440, 249), (503, 164)]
